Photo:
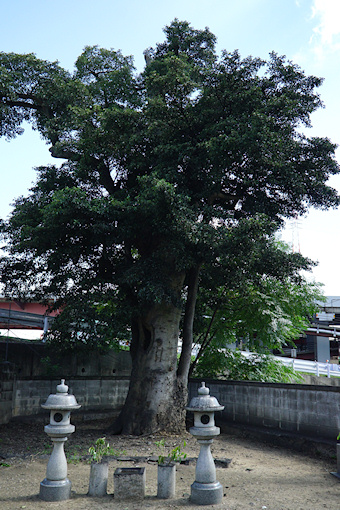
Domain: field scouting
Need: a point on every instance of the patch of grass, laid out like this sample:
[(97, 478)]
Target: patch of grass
[(116, 453), (47, 449), (75, 453)]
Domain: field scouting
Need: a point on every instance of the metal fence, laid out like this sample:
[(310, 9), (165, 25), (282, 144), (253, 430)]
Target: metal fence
[(309, 367), (312, 367)]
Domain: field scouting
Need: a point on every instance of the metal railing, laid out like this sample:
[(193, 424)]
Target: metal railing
[(310, 367)]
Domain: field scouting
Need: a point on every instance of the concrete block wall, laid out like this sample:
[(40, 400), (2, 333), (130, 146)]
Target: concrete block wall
[(6, 398), (30, 362), (305, 409), (28, 395), (91, 394), (100, 394), (6, 391), (100, 382)]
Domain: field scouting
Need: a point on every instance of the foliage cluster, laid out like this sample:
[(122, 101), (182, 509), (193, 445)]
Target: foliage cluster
[(100, 449), (268, 314), (168, 456), (227, 364)]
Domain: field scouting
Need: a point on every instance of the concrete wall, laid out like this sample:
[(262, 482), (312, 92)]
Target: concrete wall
[(305, 409), (97, 395), (310, 410), (99, 382), (6, 391), (32, 360)]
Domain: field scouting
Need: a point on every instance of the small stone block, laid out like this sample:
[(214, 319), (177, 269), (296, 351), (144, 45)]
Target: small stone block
[(223, 463), (129, 483)]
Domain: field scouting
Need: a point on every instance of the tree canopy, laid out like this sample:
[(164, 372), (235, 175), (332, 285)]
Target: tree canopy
[(260, 316), (172, 179)]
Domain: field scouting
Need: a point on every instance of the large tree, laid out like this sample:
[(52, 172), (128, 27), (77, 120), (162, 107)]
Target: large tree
[(163, 171)]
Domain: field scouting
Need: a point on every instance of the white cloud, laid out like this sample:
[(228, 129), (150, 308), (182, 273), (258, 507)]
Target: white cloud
[(326, 33)]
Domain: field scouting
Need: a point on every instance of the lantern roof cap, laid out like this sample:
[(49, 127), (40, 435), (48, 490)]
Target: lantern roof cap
[(61, 400), (204, 402)]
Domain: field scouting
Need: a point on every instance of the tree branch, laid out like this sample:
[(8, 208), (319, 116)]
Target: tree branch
[(185, 358), (20, 104), (207, 339), (59, 153), (205, 343), (224, 197), (105, 177)]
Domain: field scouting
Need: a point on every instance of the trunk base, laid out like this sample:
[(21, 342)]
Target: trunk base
[(170, 416)]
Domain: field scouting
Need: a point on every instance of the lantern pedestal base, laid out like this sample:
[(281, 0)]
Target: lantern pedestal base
[(55, 490), (206, 493)]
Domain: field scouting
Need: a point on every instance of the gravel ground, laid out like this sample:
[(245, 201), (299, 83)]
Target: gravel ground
[(261, 475)]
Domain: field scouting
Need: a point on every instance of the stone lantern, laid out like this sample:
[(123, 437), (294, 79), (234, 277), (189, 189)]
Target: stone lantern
[(56, 486), (205, 490)]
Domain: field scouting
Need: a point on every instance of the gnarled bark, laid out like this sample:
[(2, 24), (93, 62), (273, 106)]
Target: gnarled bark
[(155, 400)]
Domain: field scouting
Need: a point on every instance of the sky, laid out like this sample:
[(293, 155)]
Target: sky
[(306, 31)]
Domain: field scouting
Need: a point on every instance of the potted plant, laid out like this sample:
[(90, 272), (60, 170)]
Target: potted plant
[(99, 468), (166, 474)]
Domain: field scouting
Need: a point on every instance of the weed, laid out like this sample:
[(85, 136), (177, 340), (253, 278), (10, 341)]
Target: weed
[(174, 455), (47, 449), (100, 449), (74, 454)]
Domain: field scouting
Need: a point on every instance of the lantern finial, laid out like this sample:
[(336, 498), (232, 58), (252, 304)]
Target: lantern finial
[(203, 390)]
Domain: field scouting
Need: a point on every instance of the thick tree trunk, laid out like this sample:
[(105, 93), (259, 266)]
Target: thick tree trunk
[(156, 399)]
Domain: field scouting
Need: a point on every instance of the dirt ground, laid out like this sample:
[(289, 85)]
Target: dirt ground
[(261, 475)]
